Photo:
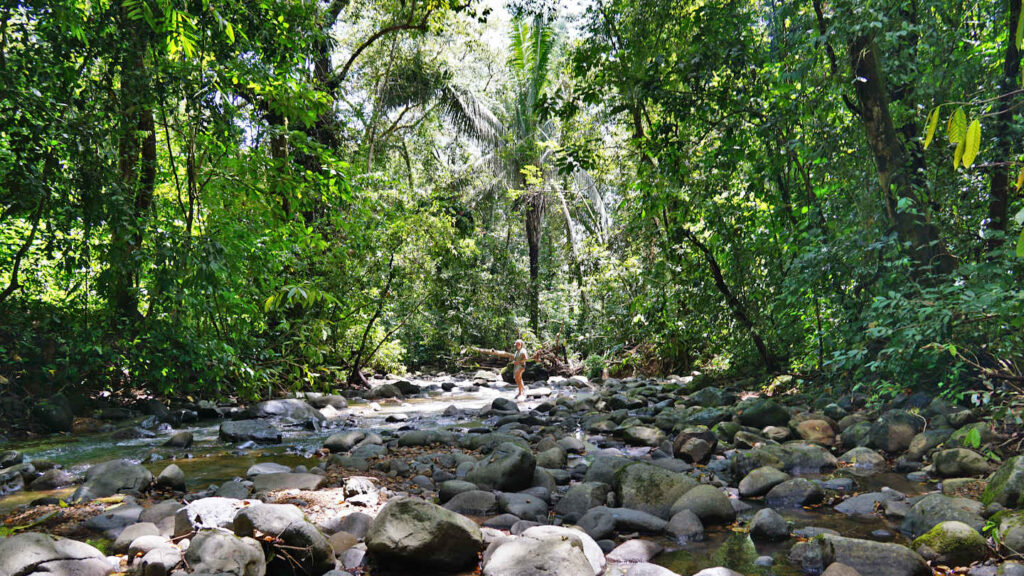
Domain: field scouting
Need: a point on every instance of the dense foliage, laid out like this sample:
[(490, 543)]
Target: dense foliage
[(237, 198)]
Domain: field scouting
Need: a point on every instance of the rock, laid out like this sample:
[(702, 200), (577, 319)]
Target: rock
[(287, 481), (794, 493), (760, 480), (171, 477), (604, 469), (951, 543), (35, 553), (877, 558), (643, 436), (344, 441), (504, 405), (473, 503), (131, 533), (814, 555), (650, 489), (266, 468), (53, 414), (864, 458), (694, 451), (865, 504), (580, 498), (802, 458), (289, 408), (236, 490), (1011, 531), (763, 412), (708, 503), (936, 508), (509, 468), (593, 552), (598, 523), (450, 488), (718, 571), (530, 557), (924, 442), (633, 551), (114, 519), (767, 524), (161, 510), (206, 513), (309, 547), (894, 430), (413, 533), (256, 431), (817, 431), (839, 569), (159, 561), (335, 401), (426, 438), (856, 434), (957, 462), (524, 506), (51, 480), (114, 477), (9, 458), (1007, 485), (180, 440), (553, 457), (685, 526), (216, 552)]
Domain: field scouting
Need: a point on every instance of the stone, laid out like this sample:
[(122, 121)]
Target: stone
[(643, 436), (760, 480), (53, 414), (593, 552), (530, 557), (580, 498), (598, 523), (35, 553), (335, 401), (553, 457), (287, 481), (893, 431), (257, 431), (767, 524), (633, 551), (473, 503), (839, 569), (604, 468), (159, 561), (217, 552), (1007, 485), (114, 477), (935, 508), (650, 489), (524, 506), (180, 440), (958, 462), (763, 412), (685, 526), (817, 432), (647, 569), (864, 458), (450, 488), (866, 504), (266, 468), (344, 441), (51, 480), (509, 467), (308, 546), (877, 558), (951, 543), (289, 408), (130, 533), (206, 513), (794, 493), (924, 442), (718, 571), (414, 533), (233, 489), (114, 519), (171, 477), (143, 544), (694, 451), (708, 503), (160, 511)]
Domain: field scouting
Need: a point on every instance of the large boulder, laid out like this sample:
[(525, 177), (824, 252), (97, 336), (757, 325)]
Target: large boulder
[(206, 513), (580, 498), (864, 458), (768, 524), (413, 533), (256, 431), (763, 412), (866, 556), (1007, 485), (307, 545), (760, 480), (650, 488), (530, 557), (959, 462), (287, 481), (34, 553), (53, 414), (951, 543), (114, 477), (509, 467), (817, 432), (794, 493), (936, 508), (708, 503), (289, 408), (217, 552), (893, 431)]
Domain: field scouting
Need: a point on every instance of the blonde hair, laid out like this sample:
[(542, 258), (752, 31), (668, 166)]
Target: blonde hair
[(520, 343)]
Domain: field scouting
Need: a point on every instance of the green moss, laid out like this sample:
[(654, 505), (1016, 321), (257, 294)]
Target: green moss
[(1005, 485), (954, 541)]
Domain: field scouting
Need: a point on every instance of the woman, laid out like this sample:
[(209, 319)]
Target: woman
[(519, 366)]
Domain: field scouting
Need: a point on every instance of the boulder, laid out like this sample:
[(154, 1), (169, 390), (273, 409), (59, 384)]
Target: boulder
[(580, 498), (217, 552), (171, 477), (959, 462), (877, 558), (509, 467), (635, 551), (951, 543), (794, 493), (650, 488), (542, 552), (684, 527), (817, 432), (35, 553), (114, 477), (52, 479), (936, 508), (256, 431), (206, 513), (287, 481), (763, 412), (643, 436), (708, 503), (760, 480), (307, 545), (409, 532), (524, 506), (289, 408), (893, 431), (767, 524), (180, 440), (473, 503), (865, 504), (864, 458), (1007, 485)]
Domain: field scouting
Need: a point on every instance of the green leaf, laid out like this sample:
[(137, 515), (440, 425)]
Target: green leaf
[(958, 154), (973, 439), (972, 143), (957, 126), (933, 122), (1020, 30), (1019, 218), (1020, 245)]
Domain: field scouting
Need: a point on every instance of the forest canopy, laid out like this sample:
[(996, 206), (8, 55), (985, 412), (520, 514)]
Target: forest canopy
[(241, 198)]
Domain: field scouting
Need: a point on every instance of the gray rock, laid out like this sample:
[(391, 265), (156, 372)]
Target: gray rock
[(257, 431), (643, 436), (53, 414), (289, 408), (509, 467), (648, 569), (450, 488), (633, 551), (287, 481), (159, 561), (1007, 485), (760, 480), (708, 503), (894, 430), (266, 468), (524, 506), (598, 523), (878, 558), (51, 480), (580, 498), (604, 469), (309, 547), (233, 489), (959, 462), (206, 513), (593, 552), (767, 524), (35, 553), (130, 533), (157, 512), (864, 458), (924, 442), (530, 557), (763, 412), (426, 438), (951, 543), (650, 489), (171, 477), (473, 503), (143, 544), (794, 493), (865, 504), (410, 532), (217, 552), (718, 571), (180, 440), (935, 508), (115, 477), (112, 521), (684, 527)]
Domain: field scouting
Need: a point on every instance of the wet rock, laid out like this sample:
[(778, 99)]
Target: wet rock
[(839, 569), (794, 493), (685, 526), (817, 432), (524, 506), (708, 503), (877, 558), (450, 488), (257, 431), (130, 533), (643, 436), (413, 533), (53, 414), (760, 480), (553, 457), (604, 469), (650, 489), (309, 547), (936, 508), (718, 571), (866, 504), (9, 458), (180, 440), (598, 523), (52, 479), (951, 543), (171, 477), (266, 468), (958, 462), (158, 561), (857, 434), (532, 557), (894, 430), (634, 551), (580, 498), (763, 412), (114, 477), (216, 552), (335, 401), (473, 503), (1011, 531), (504, 405), (237, 490), (801, 458), (509, 467), (925, 442), (34, 553), (287, 481), (1007, 485), (593, 552), (206, 513), (863, 458), (289, 408), (767, 524)]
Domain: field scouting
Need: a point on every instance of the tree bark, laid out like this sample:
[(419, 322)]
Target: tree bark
[(574, 255), (899, 171), (999, 186), (534, 227)]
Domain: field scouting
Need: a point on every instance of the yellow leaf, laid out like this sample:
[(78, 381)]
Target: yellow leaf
[(972, 143), (958, 155), (957, 126), (1020, 180), (933, 122)]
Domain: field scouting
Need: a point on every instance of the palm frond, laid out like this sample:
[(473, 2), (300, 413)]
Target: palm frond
[(470, 116)]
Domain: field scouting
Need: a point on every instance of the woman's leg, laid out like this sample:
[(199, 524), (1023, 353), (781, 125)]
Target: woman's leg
[(519, 382)]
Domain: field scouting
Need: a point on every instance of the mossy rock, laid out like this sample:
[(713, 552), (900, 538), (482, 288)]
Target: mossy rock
[(953, 543), (1007, 485)]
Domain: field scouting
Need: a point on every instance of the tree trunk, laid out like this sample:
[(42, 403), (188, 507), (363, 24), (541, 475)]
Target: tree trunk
[(999, 187), (574, 255), (899, 172), (534, 225)]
